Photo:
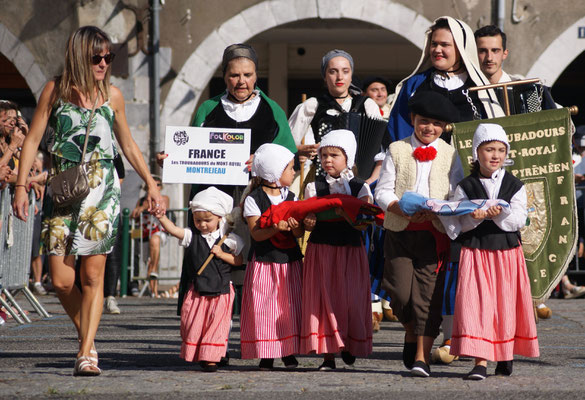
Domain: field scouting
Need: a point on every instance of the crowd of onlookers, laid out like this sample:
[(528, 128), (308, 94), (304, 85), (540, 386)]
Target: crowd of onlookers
[(13, 129)]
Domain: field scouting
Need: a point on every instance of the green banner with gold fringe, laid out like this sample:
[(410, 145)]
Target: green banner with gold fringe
[(540, 147)]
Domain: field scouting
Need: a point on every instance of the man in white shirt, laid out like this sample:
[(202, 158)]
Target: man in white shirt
[(492, 51)]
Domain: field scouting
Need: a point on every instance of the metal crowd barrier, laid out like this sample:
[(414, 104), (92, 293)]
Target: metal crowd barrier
[(171, 253), (15, 257)]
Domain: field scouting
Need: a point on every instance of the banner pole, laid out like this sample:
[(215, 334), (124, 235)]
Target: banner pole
[(302, 177)]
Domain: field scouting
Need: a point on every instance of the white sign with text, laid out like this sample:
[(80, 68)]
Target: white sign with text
[(206, 155)]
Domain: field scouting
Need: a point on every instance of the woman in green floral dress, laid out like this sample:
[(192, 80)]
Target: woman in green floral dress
[(86, 229)]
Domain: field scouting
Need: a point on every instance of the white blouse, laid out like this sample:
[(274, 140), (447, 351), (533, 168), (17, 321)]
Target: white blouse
[(251, 209), (450, 82), (510, 219), (241, 112), (339, 186), (233, 241), (387, 182), (301, 118)]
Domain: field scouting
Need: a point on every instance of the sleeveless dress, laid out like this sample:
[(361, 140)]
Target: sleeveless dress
[(89, 227)]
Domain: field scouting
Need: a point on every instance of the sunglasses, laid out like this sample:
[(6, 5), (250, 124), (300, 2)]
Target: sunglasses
[(108, 58)]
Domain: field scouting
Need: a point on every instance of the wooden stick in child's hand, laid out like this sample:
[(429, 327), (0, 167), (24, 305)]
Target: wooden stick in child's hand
[(208, 260)]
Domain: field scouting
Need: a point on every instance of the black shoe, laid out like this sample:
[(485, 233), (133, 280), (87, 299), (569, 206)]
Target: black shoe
[(478, 373), (347, 357), (421, 369), (225, 361), (207, 367), (290, 362), (328, 365), (408, 354), (266, 364), (504, 368)]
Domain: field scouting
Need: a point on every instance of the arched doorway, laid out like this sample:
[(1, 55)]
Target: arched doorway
[(21, 79), (188, 87), (18, 60), (559, 54), (13, 87), (290, 57), (569, 88)]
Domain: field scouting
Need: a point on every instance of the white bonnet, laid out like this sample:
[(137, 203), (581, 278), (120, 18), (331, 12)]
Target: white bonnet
[(487, 133), (213, 200), (344, 139), (270, 160)]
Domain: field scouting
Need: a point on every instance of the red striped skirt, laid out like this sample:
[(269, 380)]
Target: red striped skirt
[(271, 310), (337, 314), (494, 314), (205, 325)]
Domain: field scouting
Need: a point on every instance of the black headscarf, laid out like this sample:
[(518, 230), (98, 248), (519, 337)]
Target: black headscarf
[(236, 51)]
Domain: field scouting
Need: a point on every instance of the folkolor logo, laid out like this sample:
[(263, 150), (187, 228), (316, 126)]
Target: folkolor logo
[(226, 137)]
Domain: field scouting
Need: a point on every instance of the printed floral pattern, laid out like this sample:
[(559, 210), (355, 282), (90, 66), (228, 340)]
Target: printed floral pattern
[(70, 121), (94, 173), (89, 227)]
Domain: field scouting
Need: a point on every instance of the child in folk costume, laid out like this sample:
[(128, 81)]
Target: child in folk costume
[(416, 247), (206, 307), (271, 299), (494, 316), (336, 280)]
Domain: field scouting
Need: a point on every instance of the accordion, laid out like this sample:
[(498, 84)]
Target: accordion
[(371, 137), (527, 98)]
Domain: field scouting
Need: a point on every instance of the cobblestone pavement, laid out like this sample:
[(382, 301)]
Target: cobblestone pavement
[(139, 349)]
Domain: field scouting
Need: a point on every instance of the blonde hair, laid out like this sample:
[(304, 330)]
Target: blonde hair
[(84, 43)]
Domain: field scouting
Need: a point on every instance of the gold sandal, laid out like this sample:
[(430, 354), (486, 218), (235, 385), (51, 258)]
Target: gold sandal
[(84, 367)]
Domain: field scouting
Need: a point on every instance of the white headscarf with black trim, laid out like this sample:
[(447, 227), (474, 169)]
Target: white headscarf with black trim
[(465, 42)]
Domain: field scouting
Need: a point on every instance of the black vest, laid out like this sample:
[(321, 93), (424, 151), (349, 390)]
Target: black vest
[(336, 233), (487, 235), (265, 251), (262, 124), (215, 278), (323, 123), (458, 99)]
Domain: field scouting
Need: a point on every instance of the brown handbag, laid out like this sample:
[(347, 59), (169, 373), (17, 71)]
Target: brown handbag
[(72, 185)]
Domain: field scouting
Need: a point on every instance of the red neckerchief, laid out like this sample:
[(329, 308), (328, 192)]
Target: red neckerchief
[(423, 154)]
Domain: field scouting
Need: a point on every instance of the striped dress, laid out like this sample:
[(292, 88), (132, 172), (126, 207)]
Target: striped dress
[(271, 298), (206, 306), (494, 316), (205, 325), (337, 313)]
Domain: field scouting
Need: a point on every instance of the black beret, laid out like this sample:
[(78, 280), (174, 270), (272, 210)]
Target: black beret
[(431, 104), (371, 79)]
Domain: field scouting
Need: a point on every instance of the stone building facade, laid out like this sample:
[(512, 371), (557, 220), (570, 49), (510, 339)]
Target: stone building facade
[(385, 37)]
